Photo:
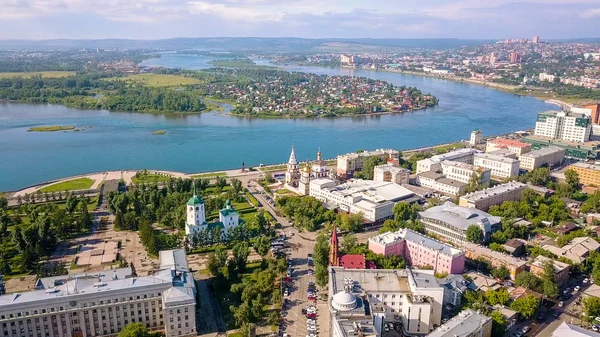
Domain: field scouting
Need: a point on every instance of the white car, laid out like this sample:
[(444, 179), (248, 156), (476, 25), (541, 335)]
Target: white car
[(525, 329), (586, 280), (577, 288), (560, 304), (311, 328)]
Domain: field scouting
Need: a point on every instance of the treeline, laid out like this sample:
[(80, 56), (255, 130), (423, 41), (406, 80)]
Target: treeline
[(93, 91)]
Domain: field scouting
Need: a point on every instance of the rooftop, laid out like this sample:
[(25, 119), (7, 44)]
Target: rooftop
[(493, 157), (459, 217), (577, 250), (568, 330), (558, 266), (544, 151), (391, 168), (355, 261), (368, 190), (378, 152), (493, 191), (412, 236), (453, 155), (492, 254), (508, 142), (463, 324), (588, 166)]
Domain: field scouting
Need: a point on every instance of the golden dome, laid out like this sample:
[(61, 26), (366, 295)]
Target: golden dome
[(306, 169)]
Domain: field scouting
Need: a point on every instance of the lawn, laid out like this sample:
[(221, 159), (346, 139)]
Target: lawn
[(210, 175), (283, 191), (45, 74), (449, 147), (70, 185), (147, 178), (273, 168), (159, 80)]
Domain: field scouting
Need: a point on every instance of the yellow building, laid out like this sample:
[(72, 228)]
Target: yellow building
[(589, 174)]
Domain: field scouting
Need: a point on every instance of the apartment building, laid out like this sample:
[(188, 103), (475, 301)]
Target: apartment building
[(589, 174), (391, 173), (564, 126), (467, 323), (501, 167), (561, 269), (463, 172), (439, 183), (493, 196), (363, 300), (433, 164), (103, 303), (551, 156), (513, 264), (512, 145), (349, 163), (419, 250)]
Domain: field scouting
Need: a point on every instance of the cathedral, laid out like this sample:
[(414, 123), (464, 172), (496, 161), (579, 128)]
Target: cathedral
[(299, 179), (196, 217)]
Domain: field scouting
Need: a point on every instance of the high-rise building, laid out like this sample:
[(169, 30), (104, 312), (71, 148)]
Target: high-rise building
[(476, 137), (564, 126), (515, 57), (536, 39)]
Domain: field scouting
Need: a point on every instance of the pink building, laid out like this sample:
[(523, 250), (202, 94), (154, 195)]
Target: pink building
[(419, 250)]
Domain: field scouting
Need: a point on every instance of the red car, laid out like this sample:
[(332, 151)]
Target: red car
[(311, 316)]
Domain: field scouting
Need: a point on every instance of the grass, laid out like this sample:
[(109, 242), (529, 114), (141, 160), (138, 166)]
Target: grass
[(273, 168), (159, 132), (449, 147), (210, 175), (252, 199), (159, 80), (70, 185), (283, 191), (44, 74), (146, 178), (50, 128)]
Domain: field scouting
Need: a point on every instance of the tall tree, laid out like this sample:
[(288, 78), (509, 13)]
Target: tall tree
[(526, 306), (474, 234)]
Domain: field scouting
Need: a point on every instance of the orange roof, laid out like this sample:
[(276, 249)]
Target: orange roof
[(509, 142)]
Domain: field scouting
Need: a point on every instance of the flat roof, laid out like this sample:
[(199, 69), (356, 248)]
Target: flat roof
[(484, 251), (493, 191), (457, 216), (377, 152), (368, 190), (568, 330), (544, 151), (463, 324), (558, 266), (453, 155), (496, 158), (588, 166)]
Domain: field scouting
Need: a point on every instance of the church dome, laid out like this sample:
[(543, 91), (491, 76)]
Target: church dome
[(343, 301), (195, 200)]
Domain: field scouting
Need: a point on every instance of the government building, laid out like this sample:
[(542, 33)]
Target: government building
[(103, 303)]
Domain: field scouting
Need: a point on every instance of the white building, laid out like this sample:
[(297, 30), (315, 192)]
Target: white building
[(349, 163), (502, 167), (196, 217), (438, 182), (466, 323), (564, 126), (476, 137), (433, 164), (292, 173), (391, 173), (550, 155), (374, 199), (363, 300), (319, 167), (464, 172), (103, 303), (511, 145), (546, 77), (493, 196)]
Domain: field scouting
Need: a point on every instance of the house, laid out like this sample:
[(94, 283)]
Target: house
[(520, 292), (355, 261), (480, 282), (454, 287), (565, 229), (561, 269), (510, 315), (577, 250), (514, 265), (515, 247)]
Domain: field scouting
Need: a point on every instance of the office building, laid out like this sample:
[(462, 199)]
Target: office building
[(466, 323), (589, 174), (474, 252), (513, 146), (502, 167), (561, 269), (374, 199), (493, 196), (476, 137), (551, 156), (564, 126), (103, 303), (449, 222), (419, 250), (390, 173), (349, 163), (433, 164), (588, 150), (439, 183), (362, 301), (464, 172)]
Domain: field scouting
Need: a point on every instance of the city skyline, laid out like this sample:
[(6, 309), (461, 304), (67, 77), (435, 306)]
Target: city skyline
[(158, 19)]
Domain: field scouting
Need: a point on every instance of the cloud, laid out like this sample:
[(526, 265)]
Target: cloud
[(591, 13)]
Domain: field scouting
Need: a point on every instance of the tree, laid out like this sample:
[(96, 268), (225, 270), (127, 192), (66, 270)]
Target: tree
[(389, 225), (321, 275), (550, 289), (216, 261), (572, 179), (528, 280), (236, 184), (368, 168), (349, 243), (262, 245), (474, 234), (350, 222), (501, 272), (135, 330), (404, 211), (591, 307), (240, 256), (499, 323), (526, 306), (499, 296)]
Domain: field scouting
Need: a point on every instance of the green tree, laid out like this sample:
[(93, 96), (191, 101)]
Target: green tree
[(404, 211), (474, 234), (216, 261), (368, 168), (389, 225), (240, 256), (499, 323), (526, 306), (572, 179), (262, 245), (349, 243), (350, 222), (499, 296), (529, 280), (236, 184), (501, 272), (591, 307), (135, 330)]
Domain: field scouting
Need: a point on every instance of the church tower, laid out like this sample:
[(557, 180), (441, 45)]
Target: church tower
[(292, 173), (334, 248), (304, 185), (196, 215)]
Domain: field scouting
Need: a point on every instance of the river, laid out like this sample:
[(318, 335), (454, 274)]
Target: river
[(216, 141)]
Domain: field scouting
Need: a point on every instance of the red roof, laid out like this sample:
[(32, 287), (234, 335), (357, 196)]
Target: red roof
[(355, 261), (509, 142)]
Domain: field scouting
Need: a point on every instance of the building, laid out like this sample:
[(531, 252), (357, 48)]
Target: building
[(481, 282), (565, 229), (561, 269), (196, 217), (594, 109), (588, 150), (514, 247), (547, 77), (349, 163), (466, 323), (513, 146), (536, 39), (319, 167), (464, 172), (589, 174), (510, 315), (348, 60), (515, 57), (449, 222), (568, 330), (438, 182), (373, 199), (474, 252), (454, 287), (101, 304), (577, 250), (564, 126), (493, 196), (390, 173), (476, 137), (368, 299), (292, 172), (502, 167), (419, 250), (551, 156), (433, 164), (348, 261)]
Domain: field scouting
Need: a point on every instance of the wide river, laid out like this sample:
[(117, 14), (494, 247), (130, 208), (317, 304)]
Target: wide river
[(216, 141)]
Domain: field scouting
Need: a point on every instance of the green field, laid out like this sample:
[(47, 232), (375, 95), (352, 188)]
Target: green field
[(50, 128), (147, 178), (159, 80), (210, 175), (70, 185), (46, 74)]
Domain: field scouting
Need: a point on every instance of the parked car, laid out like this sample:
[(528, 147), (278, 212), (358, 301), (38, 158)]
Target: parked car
[(555, 314), (560, 304), (586, 280), (577, 288), (386, 328), (595, 327), (311, 315), (526, 329)]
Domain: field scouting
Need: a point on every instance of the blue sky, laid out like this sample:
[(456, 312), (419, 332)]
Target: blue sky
[(154, 19)]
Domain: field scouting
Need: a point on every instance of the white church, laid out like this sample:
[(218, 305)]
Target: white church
[(196, 217)]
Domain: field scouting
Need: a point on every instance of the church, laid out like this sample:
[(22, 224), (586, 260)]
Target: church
[(196, 217), (298, 180)]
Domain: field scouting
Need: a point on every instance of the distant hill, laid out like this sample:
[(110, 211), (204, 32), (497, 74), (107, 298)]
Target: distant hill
[(239, 43)]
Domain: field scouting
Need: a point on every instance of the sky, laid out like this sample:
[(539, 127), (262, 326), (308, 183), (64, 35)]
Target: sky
[(158, 19)]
